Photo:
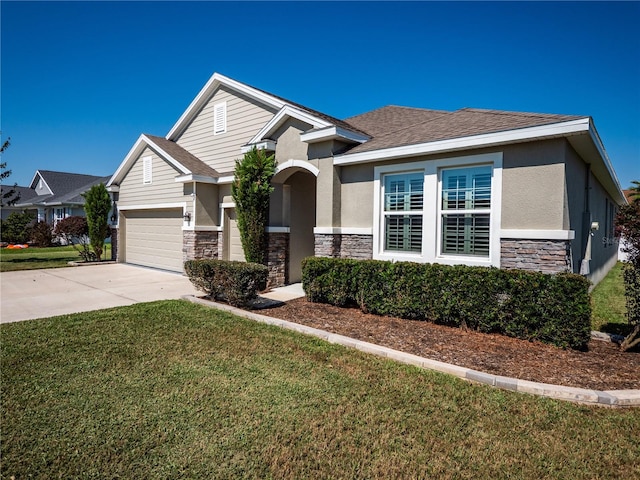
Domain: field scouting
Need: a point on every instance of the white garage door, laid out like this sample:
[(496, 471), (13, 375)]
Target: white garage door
[(153, 238), (232, 238)]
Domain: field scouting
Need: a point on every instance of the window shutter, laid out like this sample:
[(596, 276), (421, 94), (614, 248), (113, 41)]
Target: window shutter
[(146, 170), (220, 118)]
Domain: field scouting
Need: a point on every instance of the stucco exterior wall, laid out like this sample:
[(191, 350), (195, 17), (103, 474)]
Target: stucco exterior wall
[(206, 204), (245, 117), (288, 144), (357, 196), (163, 188)]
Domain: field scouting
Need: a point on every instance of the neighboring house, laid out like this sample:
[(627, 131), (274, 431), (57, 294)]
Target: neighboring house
[(53, 196), (475, 187)]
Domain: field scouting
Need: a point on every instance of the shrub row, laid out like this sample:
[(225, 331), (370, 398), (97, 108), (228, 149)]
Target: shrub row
[(235, 282), (553, 309)]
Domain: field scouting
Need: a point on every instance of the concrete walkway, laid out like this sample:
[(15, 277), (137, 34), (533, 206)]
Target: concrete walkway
[(30, 294)]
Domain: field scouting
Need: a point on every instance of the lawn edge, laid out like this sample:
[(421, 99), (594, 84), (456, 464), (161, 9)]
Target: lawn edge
[(607, 398)]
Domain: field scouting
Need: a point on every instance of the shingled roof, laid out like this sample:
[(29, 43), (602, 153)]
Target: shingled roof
[(179, 154), (67, 188), (394, 126)]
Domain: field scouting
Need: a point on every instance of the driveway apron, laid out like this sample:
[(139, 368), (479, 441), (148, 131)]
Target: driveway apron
[(30, 294)]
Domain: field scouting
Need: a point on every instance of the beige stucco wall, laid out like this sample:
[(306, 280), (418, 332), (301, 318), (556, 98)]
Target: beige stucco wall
[(245, 117), (163, 189), (206, 205), (357, 196), (288, 144)]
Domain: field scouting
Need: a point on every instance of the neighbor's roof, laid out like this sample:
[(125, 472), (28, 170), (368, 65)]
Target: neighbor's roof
[(394, 126), (67, 188)]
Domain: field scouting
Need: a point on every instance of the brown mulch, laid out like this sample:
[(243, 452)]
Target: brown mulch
[(602, 367)]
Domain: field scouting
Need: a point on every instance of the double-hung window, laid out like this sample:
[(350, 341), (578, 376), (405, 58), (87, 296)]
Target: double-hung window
[(403, 207), (465, 210)]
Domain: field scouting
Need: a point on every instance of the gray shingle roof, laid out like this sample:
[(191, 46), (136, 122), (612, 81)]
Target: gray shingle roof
[(66, 187), (399, 126), (188, 160)]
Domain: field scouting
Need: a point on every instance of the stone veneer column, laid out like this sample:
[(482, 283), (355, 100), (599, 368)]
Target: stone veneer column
[(278, 259), (198, 244), (546, 256), (114, 243), (344, 246)]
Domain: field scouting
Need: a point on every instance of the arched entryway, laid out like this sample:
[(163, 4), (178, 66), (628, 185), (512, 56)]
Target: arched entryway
[(295, 183)]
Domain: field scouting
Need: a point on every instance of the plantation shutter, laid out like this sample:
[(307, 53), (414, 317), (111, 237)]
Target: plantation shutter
[(403, 193)]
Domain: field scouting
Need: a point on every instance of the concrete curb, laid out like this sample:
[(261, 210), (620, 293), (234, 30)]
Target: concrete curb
[(608, 398)]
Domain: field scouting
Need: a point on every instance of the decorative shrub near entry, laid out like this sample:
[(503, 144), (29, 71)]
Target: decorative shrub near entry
[(554, 309), (236, 282)]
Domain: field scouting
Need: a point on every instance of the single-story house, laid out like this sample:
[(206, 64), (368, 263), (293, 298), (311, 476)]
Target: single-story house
[(477, 187), (53, 196)]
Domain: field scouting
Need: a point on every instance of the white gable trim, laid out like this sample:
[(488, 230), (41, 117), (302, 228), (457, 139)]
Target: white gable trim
[(36, 175), (207, 92), (135, 152), (489, 139), (297, 164), (281, 117)]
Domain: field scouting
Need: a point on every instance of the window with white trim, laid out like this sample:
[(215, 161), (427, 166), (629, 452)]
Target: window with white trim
[(147, 170), (446, 210), (220, 118), (465, 211), (403, 205)]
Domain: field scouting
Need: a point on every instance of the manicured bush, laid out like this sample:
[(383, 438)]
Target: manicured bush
[(41, 234), (17, 227), (553, 309), (235, 282)]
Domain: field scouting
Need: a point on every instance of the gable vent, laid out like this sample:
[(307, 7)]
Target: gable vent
[(146, 170), (220, 118)]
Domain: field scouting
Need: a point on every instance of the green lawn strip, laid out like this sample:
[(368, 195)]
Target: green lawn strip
[(609, 312), (34, 258), (173, 389)]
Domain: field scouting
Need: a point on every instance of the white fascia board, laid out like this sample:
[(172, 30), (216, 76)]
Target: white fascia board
[(166, 156), (133, 154), (524, 234), (113, 188), (264, 145), (153, 206), (190, 177), (225, 180), (333, 133), (207, 91), (484, 140), (595, 137), (343, 230), (287, 111)]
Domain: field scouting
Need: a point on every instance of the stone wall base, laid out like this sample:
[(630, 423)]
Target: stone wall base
[(200, 244), (278, 259), (546, 256), (344, 246)]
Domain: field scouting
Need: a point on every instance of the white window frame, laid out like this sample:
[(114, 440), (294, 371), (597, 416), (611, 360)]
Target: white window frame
[(220, 118), (147, 170), (431, 223)]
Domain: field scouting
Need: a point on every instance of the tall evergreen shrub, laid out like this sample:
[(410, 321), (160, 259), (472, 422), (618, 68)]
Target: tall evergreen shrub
[(97, 206), (251, 190)]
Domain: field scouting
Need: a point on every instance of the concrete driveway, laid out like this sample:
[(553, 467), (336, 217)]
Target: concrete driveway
[(30, 294)]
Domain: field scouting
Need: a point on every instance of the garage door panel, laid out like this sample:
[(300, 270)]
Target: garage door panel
[(154, 238)]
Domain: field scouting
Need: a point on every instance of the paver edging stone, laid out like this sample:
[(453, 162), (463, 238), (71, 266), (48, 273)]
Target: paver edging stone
[(609, 398)]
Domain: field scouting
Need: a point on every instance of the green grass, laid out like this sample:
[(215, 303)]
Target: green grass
[(34, 258), (175, 390), (609, 312)]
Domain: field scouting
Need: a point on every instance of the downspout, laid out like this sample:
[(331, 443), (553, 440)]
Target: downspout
[(586, 224)]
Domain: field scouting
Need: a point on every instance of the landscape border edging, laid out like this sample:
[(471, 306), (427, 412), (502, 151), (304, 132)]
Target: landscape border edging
[(607, 398)]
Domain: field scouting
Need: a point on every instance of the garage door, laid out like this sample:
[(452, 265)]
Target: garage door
[(232, 237), (153, 238)]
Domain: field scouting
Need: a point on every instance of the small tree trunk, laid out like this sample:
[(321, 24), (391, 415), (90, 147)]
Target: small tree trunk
[(631, 340)]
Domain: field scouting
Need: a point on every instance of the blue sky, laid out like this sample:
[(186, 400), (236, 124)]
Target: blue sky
[(82, 80)]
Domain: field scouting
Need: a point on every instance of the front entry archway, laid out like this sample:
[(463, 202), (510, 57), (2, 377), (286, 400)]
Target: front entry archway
[(301, 187)]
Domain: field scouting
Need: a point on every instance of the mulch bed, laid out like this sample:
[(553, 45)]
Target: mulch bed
[(602, 367)]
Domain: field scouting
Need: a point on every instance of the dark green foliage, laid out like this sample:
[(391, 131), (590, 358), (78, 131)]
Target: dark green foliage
[(553, 309), (628, 226), (8, 196), (41, 235), (75, 231), (236, 282), (251, 190), (97, 206), (17, 227)]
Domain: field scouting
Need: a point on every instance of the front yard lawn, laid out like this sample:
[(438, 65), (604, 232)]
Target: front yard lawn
[(609, 313), (34, 258), (176, 390)]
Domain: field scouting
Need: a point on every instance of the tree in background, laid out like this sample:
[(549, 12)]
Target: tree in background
[(628, 226), (251, 190), (97, 206), (75, 232), (7, 197), (17, 227)]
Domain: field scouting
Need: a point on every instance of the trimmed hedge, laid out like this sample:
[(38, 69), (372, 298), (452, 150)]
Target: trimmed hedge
[(236, 282), (554, 309)]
